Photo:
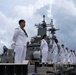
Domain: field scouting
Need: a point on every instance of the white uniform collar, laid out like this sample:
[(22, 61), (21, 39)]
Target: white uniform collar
[(20, 27)]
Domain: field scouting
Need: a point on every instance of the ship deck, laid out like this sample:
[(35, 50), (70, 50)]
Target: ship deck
[(27, 69)]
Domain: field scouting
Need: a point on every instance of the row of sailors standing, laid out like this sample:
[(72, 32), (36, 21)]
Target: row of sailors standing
[(67, 56), (58, 54)]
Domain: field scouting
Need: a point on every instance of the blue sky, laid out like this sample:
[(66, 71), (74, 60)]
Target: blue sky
[(62, 11)]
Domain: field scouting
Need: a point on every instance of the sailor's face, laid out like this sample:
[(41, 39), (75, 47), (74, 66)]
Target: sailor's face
[(67, 49), (46, 37), (22, 24), (62, 46), (70, 50)]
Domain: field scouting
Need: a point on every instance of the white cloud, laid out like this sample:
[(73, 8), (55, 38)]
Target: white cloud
[(42, 3), (68, 5), (24, 11), (7, 26), (28, 11)]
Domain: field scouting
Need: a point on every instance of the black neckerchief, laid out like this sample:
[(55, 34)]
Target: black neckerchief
[(25, 32)]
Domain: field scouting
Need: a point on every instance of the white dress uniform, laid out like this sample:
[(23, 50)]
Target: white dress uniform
[(62, 55), (44, 51), (55, 52), (19, 38), (73, 57), (70, 57), (66, 56)]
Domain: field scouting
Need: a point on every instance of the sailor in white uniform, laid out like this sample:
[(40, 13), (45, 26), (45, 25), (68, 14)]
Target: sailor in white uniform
[(66, 55), (55, 51), (75, 59), (71, 57), (62, 54), (44, 49), (20, 38)]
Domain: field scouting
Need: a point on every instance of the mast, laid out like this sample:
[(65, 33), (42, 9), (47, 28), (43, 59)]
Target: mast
[(52, 31)]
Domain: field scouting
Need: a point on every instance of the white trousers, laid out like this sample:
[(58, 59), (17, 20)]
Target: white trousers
[(44, 56), (50, 56), (55, 57), (62, 59), (71, 60), (66, 59), (20, 54)]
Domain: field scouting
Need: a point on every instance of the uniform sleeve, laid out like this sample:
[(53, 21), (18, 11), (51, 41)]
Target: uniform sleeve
[(69, 54), (42, 44), (16, 33)]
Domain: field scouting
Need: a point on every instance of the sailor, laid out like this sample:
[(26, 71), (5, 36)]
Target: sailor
[(71, 57), (75, 59), (62, 54), (44, 49), (66, 55), (55, 51), (20, 38)]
